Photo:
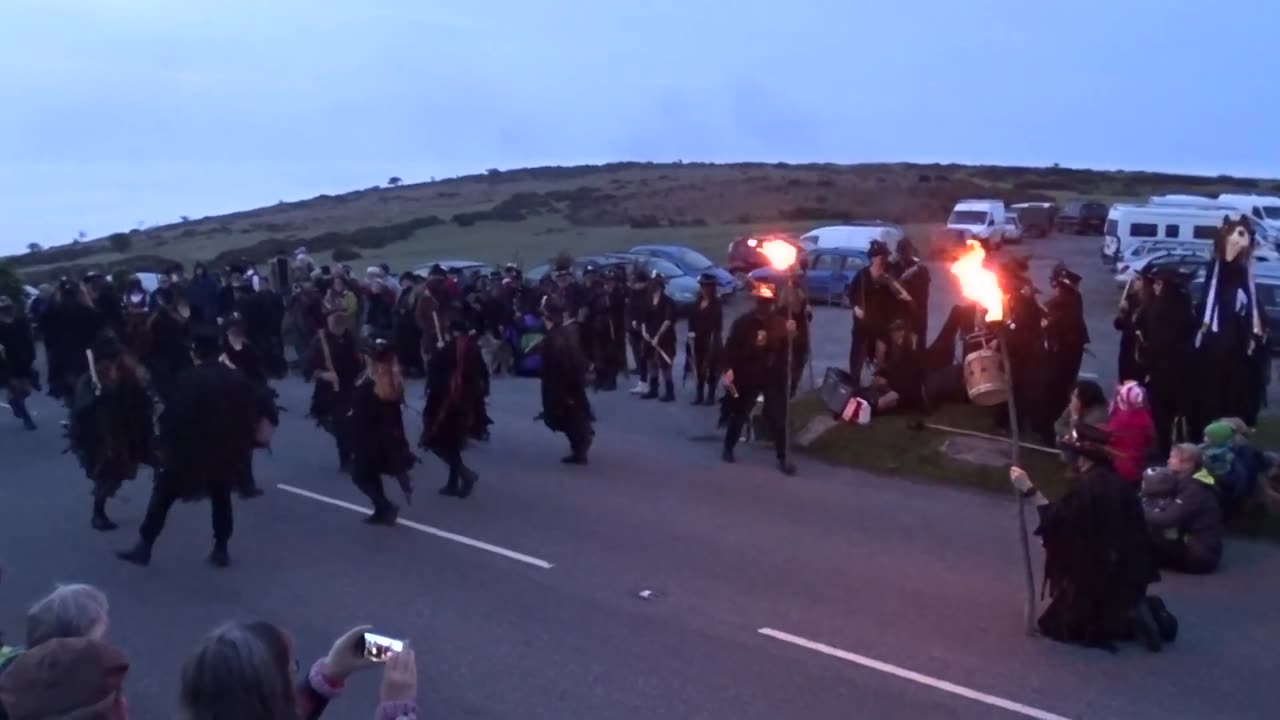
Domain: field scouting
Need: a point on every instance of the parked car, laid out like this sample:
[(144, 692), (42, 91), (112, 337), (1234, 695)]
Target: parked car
[(744, 252), (1012, 234), (1082, 217), (456, 267), (682, 288), (1189, 262), (604, 261), (827, 279), (1036, 218), (691, 262)]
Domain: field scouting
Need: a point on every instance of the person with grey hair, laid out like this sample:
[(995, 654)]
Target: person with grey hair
[(1183, 513), (70, 611), (245, 671)]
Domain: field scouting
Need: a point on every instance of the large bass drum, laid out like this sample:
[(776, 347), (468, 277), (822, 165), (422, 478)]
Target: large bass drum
[(985, 378)]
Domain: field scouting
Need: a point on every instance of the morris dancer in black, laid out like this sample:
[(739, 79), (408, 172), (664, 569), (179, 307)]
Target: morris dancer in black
[(565, 407), (456, 383), (168, 343), (1167, 331), (333, 362), (378, 443), (637, 302), (877, 301), (17, 358), (913, 276), (1066, 336), (704, 346), (238, 353), (606, 318), (111, 427), (795, 307), (659, 335), (1130, 360), (755, 355), (70, 327), (207, 437)]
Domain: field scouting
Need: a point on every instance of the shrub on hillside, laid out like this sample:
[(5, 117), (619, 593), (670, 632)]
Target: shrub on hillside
[(644, 222), (346, 254), (805, 212), (120, 242), (464, 219)]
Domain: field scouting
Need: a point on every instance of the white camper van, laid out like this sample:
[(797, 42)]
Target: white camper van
[(981, 219), (1263, 208), (1129, 226), (855, 237)]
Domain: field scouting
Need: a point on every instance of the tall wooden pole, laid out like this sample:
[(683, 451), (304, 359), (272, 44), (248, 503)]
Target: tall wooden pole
[(1015, 446)]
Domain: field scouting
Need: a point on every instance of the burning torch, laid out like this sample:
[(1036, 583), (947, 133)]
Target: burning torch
[(782, 257), (980, 285)]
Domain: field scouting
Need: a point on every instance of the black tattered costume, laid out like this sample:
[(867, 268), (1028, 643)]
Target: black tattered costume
[(17, 360), (704, 349), (457, 382), (565, 407), (755, 354), (375, 432), (332, 363)]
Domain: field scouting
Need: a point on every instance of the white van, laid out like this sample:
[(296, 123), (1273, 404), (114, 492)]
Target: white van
[(981, 219), (1263, 208), (1187, 201), (1131, 225), (856, 237)]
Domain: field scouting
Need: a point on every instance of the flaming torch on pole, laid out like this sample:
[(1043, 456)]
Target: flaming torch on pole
[(980, 285), (782, 257)]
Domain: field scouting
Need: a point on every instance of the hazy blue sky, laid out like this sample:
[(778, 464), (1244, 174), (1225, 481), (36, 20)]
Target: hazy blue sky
[(119, 111)]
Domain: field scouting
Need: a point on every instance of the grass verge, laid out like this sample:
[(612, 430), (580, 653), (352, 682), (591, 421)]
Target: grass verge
[(888, 446)]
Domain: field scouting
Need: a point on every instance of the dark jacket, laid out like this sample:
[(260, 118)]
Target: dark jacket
[(1193, 515), (378, 442), (208, 432), (19, 349)]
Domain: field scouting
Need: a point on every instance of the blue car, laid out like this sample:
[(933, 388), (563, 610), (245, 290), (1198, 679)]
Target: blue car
[(692, 262), (829, 274)]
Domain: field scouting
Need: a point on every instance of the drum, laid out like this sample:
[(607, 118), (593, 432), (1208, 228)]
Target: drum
[(985, 378)]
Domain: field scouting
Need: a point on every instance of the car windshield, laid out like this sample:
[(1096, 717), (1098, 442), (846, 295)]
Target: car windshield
[(691, 259), (968, 217), (664, 267), (1272, 212)]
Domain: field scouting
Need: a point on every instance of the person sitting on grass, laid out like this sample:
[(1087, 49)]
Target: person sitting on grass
[(1132, 432), (1219, 457), (1182, 510), (1098, 558), (245, 671), (1088, 405)]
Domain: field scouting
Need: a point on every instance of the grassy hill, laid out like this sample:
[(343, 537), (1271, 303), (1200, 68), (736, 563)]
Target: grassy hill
[(529, 214)]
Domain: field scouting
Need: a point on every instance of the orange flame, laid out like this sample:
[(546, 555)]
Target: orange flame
[(780, 253), (977, 283)]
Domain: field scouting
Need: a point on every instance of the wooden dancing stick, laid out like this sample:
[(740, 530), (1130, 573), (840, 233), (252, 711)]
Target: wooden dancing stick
[(1015, 447), (93, 372), (328, 358)]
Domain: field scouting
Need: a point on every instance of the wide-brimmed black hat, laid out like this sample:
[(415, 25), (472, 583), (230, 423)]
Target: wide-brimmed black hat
[(437, 271), (877, 248), (707, 278), (107, 347), (1062, 273), (378, 347)]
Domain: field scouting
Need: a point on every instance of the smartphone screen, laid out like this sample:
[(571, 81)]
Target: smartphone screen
[(379, 648)]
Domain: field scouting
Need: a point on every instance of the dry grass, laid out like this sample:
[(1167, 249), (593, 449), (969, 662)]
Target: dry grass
[(723, 200)]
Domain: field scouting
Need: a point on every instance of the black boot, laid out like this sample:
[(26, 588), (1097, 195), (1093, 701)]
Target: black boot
[(451, 488), (786, 467), (469, 479), (100, 521), (653, 390), (727, 455), (698, 398), (219, 557), (670, 394), (20, 411), (139, 554), (386, 515)]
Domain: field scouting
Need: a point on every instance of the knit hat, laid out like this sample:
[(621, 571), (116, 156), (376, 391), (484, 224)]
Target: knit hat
[(63, 678), (1219, 433), (1130, 396)]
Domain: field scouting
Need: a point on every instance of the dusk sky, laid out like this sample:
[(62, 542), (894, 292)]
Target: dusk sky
[(119, 111)]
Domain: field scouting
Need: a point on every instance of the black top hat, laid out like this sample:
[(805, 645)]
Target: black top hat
[(1061, 273), (707, 278), (107, 347), (437, 271), (877, 249), (407, 276), (378, 347)]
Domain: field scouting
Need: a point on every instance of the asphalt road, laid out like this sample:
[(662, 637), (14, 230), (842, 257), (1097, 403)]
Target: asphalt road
[(533, 608)]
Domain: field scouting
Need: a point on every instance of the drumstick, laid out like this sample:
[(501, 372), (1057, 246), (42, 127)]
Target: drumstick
[(328, 358), (93, 372)]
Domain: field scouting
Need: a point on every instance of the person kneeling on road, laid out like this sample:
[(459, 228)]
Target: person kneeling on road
[(1098, 558)]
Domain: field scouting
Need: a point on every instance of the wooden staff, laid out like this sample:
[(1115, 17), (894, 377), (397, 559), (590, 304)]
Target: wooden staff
[(1015, 447), (328, 358), (227, 361), (93, 372)]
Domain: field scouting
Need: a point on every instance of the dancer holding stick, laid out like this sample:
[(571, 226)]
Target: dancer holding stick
[(334, 361)]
